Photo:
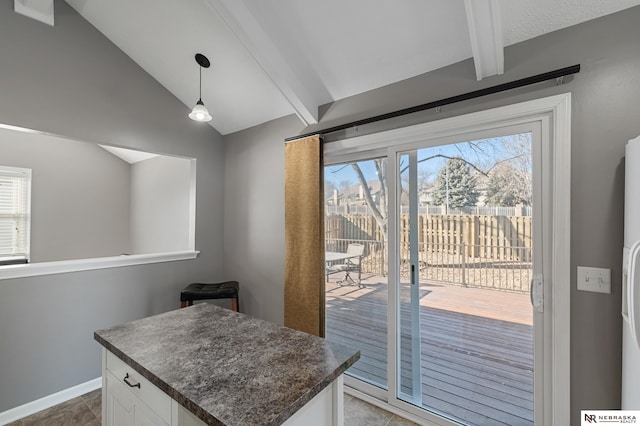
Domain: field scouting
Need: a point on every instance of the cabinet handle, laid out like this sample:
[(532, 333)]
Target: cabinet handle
[(132, 385)]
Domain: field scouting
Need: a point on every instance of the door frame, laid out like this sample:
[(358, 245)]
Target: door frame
[(554, 114)]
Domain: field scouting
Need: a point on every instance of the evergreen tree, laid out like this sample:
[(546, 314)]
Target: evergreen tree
[(457, 178)]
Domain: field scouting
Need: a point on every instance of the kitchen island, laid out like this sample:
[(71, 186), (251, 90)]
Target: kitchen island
[(212, 366)]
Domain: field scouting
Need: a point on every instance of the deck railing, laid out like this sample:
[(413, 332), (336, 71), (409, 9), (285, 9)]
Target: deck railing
[(471, 250), (485, 266), (492, 267)]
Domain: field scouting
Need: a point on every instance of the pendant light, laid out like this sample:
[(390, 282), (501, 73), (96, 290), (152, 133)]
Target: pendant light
[(199, 111)]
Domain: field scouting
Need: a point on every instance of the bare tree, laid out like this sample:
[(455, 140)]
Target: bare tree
[(329, 187), (508, 186), (344, 185), (378, 207), (483, 153)]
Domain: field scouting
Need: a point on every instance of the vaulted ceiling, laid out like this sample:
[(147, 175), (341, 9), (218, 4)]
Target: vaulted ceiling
[(273, 58)]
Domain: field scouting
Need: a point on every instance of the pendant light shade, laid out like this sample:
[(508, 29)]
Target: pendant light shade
[(199, 111)]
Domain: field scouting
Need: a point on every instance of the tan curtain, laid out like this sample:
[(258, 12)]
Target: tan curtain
[(304, 236)]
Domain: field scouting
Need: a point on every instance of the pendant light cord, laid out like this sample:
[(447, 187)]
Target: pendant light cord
[(200, 97)]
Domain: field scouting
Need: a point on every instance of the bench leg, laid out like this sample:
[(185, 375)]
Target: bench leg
[(235, 305)]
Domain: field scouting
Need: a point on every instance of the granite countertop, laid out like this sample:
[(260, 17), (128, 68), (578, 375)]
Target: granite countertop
[(228, 368)]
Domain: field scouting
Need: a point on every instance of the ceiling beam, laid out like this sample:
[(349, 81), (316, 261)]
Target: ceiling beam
[(40, 10), (485, 30), (256, 40)]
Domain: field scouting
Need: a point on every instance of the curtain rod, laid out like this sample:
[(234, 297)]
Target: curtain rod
[(556, 74)]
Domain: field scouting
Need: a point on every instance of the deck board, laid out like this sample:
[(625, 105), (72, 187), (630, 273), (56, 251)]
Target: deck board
[(476, 352)]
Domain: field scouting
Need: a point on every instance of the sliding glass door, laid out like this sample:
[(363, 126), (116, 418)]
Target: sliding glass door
[(462, 252), (437, 260), (356, 205), (464, 262)]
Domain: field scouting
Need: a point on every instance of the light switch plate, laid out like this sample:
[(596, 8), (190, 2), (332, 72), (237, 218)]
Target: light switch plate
[(594, 279)]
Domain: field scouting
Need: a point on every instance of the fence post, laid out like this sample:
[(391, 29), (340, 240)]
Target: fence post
[(383, 263), (473, 236), (463, 264)]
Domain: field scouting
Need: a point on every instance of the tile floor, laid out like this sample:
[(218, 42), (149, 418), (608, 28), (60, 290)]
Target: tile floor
[(86, 411), (359, 413)]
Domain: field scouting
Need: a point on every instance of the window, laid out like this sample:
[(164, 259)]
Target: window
[(15, 194)]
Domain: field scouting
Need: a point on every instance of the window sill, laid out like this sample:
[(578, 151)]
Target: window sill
[(65, 266)]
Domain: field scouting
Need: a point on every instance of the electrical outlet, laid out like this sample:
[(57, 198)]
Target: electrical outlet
[(594, 279)]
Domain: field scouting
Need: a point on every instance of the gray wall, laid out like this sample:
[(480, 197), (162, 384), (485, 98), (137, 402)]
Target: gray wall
[(160, 192), (605, 114), (79, 196), (254, 215), (70, 80)]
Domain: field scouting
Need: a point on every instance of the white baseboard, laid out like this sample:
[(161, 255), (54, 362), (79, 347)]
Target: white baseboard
[(49, 401)]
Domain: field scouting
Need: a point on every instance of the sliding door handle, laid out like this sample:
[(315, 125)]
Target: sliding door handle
[(413, 274), (536, 293)]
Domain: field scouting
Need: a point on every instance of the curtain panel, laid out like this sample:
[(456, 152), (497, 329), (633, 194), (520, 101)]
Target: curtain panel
[(304, 236)]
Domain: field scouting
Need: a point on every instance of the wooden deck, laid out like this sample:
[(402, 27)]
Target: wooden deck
[(476, 352)]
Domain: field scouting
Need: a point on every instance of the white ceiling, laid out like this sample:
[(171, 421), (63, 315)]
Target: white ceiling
[(274, 58), (131, 156)]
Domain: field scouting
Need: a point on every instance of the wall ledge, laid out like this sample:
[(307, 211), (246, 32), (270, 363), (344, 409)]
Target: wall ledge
[(66, 266)]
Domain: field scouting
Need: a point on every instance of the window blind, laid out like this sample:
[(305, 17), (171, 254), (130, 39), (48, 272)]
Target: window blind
[(15, 185)]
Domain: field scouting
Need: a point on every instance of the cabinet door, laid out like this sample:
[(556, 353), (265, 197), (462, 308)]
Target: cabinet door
[(126, 409), (120, 404), (186, 418), (145, 417)]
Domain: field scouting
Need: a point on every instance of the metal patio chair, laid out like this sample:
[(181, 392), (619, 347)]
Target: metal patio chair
[(352, 263)]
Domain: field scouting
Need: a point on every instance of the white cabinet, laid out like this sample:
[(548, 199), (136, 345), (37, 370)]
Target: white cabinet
[(128, 399), (326, 408), (124, 407), (186, 418), (119, 407)]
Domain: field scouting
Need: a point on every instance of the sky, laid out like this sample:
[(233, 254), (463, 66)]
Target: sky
[(483, 153)]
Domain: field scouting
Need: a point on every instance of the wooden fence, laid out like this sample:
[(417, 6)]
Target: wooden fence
[(482, 251), (496, 237)]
